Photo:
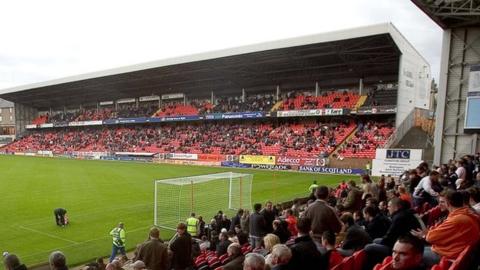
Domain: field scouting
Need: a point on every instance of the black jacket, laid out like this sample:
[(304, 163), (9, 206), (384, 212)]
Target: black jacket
[(182, 251), (378, 226), (403, 221), (305, 254), (257, 225), (269, 218), (235, 222), (357, 238), (222, 247)]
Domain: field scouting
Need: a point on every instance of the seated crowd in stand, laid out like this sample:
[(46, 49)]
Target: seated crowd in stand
[(327, 100), (251, 103), (366, 140), (372, 225), (296, 139)]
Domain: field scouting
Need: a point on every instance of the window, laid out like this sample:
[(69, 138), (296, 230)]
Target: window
[(11, 110), (11, 118), (1, 118)]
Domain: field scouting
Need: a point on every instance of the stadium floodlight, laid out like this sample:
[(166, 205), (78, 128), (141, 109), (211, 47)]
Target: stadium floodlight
[(205, 195)]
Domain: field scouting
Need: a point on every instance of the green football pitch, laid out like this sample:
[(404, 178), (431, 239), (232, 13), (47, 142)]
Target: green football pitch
[(99, 194)]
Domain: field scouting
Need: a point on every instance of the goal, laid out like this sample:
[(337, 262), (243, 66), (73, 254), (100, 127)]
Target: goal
[(204, 195)]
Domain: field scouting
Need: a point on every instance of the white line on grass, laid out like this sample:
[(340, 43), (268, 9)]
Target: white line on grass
[(79, 243), (47, 234)]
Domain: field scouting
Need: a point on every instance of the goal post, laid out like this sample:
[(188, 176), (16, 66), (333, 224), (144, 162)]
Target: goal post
[(204, 195)]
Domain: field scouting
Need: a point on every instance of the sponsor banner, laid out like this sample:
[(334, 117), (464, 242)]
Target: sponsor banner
[(251, 159), (240, 115), (60, 124), (330, 170), (377, 110), (89, 154), (233, 164), (84, 123), (211, 157), (395, 161), (127, 158), (172, 96), (19, 154), (182, 156), (405, 154), (93, 123), (126, 100), (271, 167), (45, 153), (49, 125), (31, 154), (149, 98), (393, 167), (124, 121), (297, 161), (197, 163), (179, 118), (316, 112), (30, 126), (104, 103)]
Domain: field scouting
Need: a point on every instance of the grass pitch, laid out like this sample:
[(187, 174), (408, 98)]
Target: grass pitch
[(99, 194)]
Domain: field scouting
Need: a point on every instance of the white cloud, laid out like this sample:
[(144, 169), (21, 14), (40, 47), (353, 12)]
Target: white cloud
[(43, 40)]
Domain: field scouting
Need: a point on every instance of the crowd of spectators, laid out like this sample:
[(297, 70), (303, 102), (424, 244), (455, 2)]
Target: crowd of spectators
[(264, 102), (366, 140), (260, 102), (306, 139), (252, 103), (327, 100)]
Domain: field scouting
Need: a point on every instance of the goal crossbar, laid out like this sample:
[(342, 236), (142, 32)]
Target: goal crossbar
[(188, 180)]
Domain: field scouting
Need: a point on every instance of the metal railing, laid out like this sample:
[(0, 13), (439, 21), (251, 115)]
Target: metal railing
[(416, 118)]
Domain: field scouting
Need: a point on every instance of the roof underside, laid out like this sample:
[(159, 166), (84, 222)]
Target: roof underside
[(331, 64), (451, 13)]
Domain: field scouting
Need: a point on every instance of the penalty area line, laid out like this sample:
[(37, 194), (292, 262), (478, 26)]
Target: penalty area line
[(47, 234)]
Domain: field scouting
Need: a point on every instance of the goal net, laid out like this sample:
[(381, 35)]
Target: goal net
[(204, 195)]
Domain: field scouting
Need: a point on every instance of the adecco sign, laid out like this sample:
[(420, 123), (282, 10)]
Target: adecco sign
[(395, 161), (296, 161)]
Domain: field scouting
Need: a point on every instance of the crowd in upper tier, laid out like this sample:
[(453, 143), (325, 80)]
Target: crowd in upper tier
[(250, 103)]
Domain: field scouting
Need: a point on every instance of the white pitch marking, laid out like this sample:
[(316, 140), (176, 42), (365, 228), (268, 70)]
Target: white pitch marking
[(47, 234)]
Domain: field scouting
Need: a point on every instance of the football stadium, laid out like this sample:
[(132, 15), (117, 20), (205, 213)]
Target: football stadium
[(327, 151)]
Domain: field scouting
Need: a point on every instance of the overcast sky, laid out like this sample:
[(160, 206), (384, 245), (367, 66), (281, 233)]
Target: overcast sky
[(44, 40)]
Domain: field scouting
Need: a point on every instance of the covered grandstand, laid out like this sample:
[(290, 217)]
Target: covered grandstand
[(354, 86)]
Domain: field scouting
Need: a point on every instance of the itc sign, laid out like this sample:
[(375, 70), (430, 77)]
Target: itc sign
[(398, 154)]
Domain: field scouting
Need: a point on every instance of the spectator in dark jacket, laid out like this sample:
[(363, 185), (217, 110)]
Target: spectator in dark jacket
[(257, 227), (153, 252), (377, 223), (403, 221), (269, 216), (181, 248), (280, 229), (236, 220), (305, 254), (356, 237), (223, 244)]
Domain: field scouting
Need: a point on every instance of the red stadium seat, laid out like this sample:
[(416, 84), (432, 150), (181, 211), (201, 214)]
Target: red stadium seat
[(385, 265), (359, 258)]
